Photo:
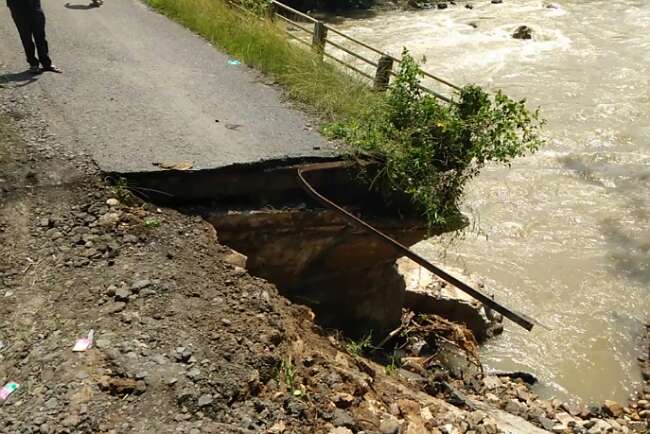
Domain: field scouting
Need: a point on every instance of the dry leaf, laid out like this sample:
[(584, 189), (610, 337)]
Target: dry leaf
[(183, 165)]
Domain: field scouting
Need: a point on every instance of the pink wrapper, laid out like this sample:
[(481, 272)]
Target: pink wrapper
[(84, 343), (7, 390)]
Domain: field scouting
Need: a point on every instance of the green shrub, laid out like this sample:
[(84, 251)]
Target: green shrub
[(430, 149)]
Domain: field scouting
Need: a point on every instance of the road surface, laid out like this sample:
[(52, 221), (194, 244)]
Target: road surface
[(140, 89)]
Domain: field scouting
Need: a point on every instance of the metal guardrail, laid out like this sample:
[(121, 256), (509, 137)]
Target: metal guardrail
[(319, 32), (320, 40)]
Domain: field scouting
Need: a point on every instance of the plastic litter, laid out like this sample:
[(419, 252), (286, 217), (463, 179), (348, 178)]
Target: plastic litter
[(7, 390), (84, 343), (234, 62)]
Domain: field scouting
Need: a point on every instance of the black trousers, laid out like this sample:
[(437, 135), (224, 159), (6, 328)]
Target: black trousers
[(30, 21)]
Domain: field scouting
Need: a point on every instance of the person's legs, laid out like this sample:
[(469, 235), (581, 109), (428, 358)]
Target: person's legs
[(23, 20), (38, 30)]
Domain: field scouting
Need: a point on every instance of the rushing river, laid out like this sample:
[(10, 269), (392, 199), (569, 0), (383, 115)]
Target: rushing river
[(564, 234)]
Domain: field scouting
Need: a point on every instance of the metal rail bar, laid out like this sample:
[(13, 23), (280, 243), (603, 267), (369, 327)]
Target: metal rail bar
[(298, 39), (351, 53), (358, 71), (356, 41), (381, 53), (441, 80), (293, 11), (518, 318), (293, 23), (426, 74), (436, 94)]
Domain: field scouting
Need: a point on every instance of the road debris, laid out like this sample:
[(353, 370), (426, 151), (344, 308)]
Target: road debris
[(84, 344), (8, 389)]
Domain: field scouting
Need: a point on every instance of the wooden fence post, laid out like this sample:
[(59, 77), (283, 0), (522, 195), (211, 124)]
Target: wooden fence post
[(382, 75), (270, 12), (318, 40)]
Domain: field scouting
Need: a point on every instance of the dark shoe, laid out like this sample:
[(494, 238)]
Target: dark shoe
[(34, 69), (53, 68)]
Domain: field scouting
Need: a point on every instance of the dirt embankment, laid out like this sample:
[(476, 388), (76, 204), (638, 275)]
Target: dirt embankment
[(185, 341)]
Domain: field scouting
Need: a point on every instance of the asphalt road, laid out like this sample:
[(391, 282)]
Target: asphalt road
[(139, 89)]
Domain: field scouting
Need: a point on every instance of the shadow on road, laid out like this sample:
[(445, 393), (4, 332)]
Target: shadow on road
[(17, 79), (81, 7)]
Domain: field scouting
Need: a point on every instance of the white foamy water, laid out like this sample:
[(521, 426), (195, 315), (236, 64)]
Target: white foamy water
[(565, 234)]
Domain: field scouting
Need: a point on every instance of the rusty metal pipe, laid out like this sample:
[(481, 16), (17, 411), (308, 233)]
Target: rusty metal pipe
[(516, 317)]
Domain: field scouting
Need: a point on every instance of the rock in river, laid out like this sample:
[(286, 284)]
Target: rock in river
[(523, 32)]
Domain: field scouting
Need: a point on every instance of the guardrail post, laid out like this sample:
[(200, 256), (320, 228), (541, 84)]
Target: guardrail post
[(319, 38), (382, 75), (270, 12)]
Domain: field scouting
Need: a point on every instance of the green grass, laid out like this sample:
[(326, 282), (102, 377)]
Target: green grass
[(360, 347), (394, 365), (322, 87), (152, 223), (287, 375)]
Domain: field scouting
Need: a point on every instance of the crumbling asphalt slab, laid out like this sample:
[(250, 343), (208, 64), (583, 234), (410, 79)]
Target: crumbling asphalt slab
[(139, 89)]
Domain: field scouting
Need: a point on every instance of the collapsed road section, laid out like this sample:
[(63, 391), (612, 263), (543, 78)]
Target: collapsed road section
[(303, 243)]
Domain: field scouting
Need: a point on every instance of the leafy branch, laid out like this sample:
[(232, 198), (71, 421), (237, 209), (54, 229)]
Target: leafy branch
[(429, 149)]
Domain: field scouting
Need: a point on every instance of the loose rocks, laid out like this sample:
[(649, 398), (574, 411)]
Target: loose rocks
[(140, 284), (205, 400), (122, 294)]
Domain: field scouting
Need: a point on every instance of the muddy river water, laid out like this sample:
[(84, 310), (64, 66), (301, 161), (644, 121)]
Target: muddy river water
[(563, 235)]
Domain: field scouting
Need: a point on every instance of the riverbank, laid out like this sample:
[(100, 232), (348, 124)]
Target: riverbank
[(186, 337)]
